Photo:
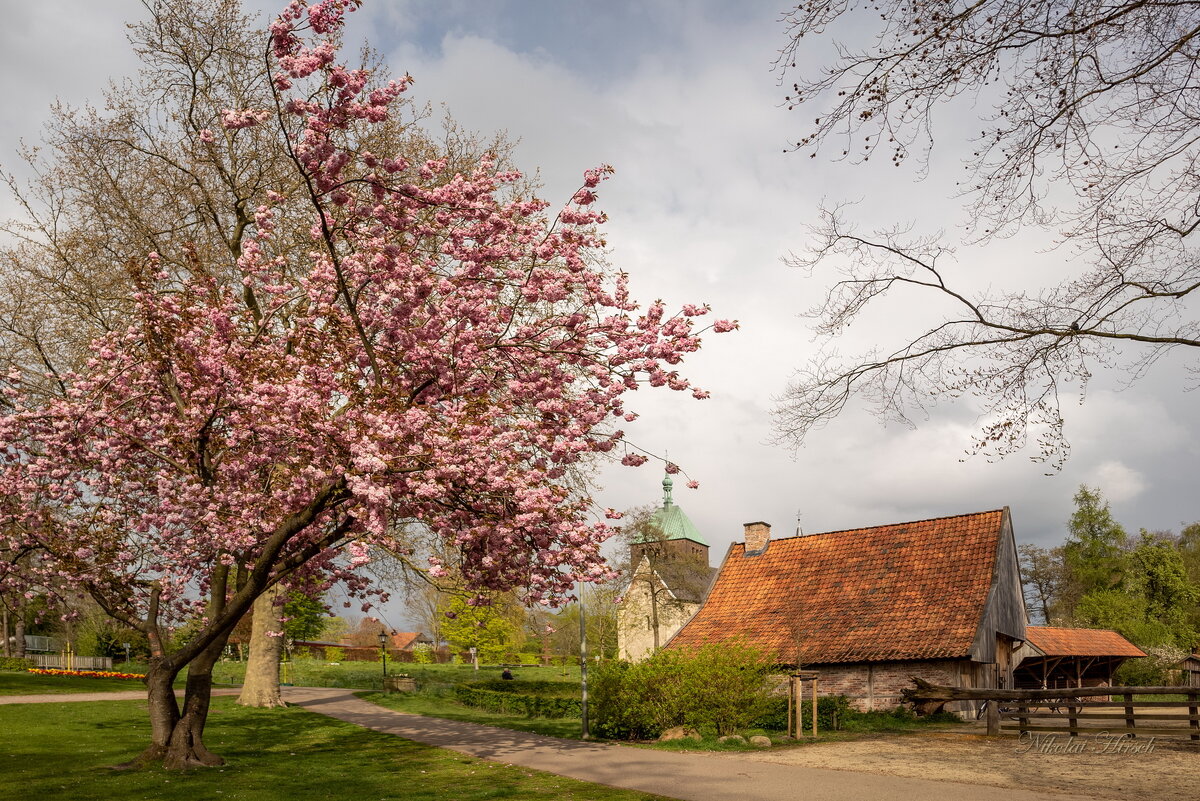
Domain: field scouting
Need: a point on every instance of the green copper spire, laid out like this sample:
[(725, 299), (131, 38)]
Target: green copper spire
[(671, 519)]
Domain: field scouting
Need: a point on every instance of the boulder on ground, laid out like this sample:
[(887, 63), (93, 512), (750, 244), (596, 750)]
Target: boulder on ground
[(732, 738), (760, 741), (679, 733)]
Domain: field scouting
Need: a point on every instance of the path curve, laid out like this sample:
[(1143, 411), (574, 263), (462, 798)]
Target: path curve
[(703, 776)]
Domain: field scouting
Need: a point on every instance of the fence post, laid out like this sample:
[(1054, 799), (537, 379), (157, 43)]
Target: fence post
[(993, 717), (1129, 719), (1193, 701), (1022, 720)]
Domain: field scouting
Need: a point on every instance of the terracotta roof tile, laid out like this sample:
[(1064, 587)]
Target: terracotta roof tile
[(406, 639), (1055, 641), (903, 591)]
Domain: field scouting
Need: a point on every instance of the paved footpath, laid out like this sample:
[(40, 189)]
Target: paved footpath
[(694, 776)]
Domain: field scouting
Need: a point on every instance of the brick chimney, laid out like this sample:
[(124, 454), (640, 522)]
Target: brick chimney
[(757, 536)]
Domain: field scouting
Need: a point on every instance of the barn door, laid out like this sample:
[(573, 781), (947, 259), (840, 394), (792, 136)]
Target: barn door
[(1004, 662)]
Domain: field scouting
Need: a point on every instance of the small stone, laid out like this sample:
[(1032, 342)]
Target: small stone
[(760, 741), (732, 738), (679, 733)]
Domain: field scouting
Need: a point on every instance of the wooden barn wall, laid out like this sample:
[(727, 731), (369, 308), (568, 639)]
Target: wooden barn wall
[(1004, 612)]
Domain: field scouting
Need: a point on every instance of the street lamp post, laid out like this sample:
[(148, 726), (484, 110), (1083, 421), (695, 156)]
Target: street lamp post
[(383, 638), (583, 660)]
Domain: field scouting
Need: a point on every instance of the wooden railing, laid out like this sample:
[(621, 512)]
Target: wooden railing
[(1071, 710), (73, 663)]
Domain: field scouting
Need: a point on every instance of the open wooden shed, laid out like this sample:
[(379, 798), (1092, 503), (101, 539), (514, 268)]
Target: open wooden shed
[(1054, 657)]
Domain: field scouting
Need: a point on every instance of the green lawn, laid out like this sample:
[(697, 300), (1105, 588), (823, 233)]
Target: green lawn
[(63, 750), (440, 706), (369, 675), (13, 683)]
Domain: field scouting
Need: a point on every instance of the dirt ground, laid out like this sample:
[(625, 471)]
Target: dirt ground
[(1169, 772)]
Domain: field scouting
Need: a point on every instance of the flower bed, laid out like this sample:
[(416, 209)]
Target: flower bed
[(86, 674)]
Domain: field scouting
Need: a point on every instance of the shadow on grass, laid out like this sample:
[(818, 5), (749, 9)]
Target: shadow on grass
[(65, 750)]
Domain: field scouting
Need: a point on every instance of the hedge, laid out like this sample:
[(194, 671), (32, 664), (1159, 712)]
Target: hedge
[(15, 663), (510, 700)]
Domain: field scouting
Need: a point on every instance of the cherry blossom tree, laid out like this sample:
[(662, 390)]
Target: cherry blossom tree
[(442, 350)]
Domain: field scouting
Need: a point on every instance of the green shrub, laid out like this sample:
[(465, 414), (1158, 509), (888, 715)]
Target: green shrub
[(334, 654), (832, 711), (531, 699), (15, 663), (719, 688), (423, 653)]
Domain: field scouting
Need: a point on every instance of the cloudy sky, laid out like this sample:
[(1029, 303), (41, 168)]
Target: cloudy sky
[(680, 98)]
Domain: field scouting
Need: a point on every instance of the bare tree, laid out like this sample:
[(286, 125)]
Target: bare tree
[(1092, 135)]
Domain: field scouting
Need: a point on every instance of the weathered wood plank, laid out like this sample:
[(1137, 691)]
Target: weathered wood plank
[(1181, 732), (926, 691), (1181, 716)]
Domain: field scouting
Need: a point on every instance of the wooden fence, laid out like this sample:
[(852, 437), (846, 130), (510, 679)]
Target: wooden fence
[(1075, 710), (74, 662), (1081, 710)]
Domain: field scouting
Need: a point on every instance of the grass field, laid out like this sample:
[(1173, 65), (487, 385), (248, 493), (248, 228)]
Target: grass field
[(14, 683), (369, 675), (64, 750)]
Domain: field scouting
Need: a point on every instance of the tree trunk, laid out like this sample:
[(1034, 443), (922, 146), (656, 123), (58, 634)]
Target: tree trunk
[(177, 733), (19, 632), (4, 630), (261, 687)]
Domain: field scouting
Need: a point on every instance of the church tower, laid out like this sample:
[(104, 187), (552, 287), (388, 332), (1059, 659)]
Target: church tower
[(676, 540), (669, 577)]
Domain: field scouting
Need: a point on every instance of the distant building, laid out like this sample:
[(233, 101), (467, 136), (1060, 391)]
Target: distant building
[(670, 574), (405, 640)]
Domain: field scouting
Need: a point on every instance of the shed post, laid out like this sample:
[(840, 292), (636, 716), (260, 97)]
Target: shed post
[(814, 681), (791, 697)]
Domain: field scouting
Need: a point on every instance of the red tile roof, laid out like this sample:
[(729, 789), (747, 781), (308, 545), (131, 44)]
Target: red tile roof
[(1054, 641), (903, 591), (406, 639)]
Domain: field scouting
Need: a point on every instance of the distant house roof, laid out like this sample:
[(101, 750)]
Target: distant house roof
[(672, 521), (1055, 641), (902, 591), (407, 639)]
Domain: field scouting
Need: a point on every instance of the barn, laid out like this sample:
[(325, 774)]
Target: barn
[(866, 609)]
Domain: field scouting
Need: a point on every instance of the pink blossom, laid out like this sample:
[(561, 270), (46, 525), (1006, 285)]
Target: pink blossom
[(207, 136), (242, 119), (693, 485), (721, 326)]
